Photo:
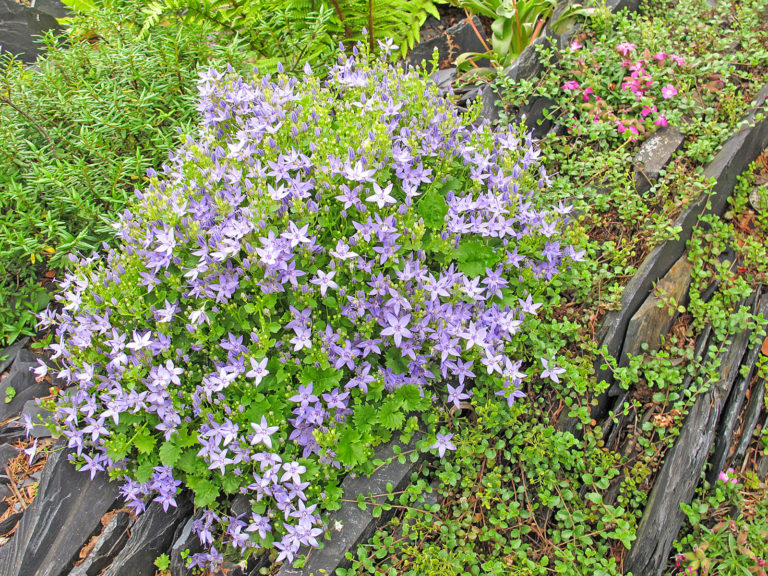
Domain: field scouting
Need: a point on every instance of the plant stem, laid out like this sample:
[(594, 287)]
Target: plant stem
[(340, 14), (4, 100), (370, 26)]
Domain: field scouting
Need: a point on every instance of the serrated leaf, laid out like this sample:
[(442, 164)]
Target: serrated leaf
[(395, 361), (169, 454), (205, 491), (364, 416), (145, 442), (390, 416), (190, 463), (474, 257), (323, 379), (144, 471), (432, 206), (350, 450), (230, 484), (411, 398)]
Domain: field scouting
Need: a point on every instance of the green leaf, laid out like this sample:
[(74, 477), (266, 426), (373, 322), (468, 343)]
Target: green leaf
[(117, 447), (323, 379), (433, 208), (474, 257), (230, 484), (396, 362), (364, 416), (144, 471), (205, 491), (169, 454), (350, 449), (144, 441), (390, 415), (411, 398)]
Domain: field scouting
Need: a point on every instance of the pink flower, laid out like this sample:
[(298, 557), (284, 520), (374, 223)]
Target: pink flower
[(586, 94), (575, 46), (727, 476), (571, 85), (621, 128), (668, 91), (661, 121), (646, 111), (679, 60), (626, 48)]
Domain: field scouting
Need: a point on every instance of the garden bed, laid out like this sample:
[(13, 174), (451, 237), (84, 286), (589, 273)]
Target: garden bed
[(581, 473)]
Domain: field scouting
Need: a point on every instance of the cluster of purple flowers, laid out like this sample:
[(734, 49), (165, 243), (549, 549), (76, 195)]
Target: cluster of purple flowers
[(286, 267)]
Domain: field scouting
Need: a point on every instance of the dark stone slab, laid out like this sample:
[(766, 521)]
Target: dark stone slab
[(490, 101), (51, 7), (751, 416), (22, 380), (533, 114), (65, 514), (734, 405), (8, 354), (108, 545), (20, 27), (184, 539), (654, 155), (38, 415), (357, 525), (616, 5), (11, 433), (444, 78), (8, 524), (457, 40), (7, 453), (682, 469), (151, 535), (650, 322), (762, 461)]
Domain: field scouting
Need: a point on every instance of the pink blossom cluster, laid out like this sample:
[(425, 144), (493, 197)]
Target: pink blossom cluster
[(640, 80)]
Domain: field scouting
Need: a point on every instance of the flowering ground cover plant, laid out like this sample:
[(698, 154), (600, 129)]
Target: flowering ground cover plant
[(309, 269), (626, 93)]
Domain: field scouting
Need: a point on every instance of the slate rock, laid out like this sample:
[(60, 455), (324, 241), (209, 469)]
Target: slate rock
[(65, 513), (11, 521), (730, 418), (51, 7), (680, 473), (20, 27), (7, 453), (650, 322), (616, 5), (357, 525), (9, 354), (11, 433), (151, 535), (654, 155), (22, 380), (37, 415), (444, 78), (184, 539), (751, 416), (532, 113), (451, 44), (108, 545)]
